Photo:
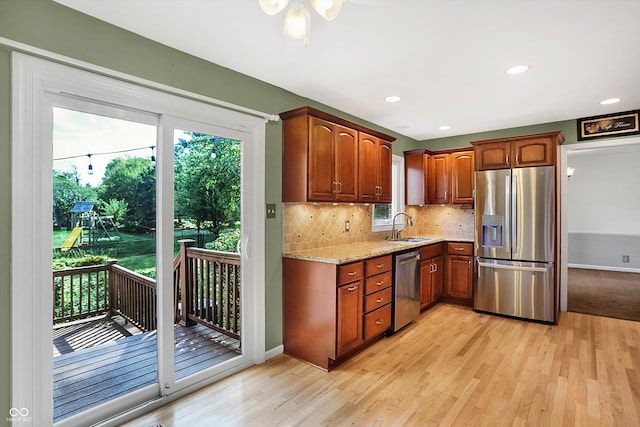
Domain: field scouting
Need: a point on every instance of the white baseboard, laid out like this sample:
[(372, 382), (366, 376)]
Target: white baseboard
[(274, 352), (605, 267)]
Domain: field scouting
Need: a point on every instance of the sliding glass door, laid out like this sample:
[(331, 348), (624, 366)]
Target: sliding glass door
[(138, 246)]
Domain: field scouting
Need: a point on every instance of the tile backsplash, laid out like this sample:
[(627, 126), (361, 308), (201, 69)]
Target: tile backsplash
[(311, 226)]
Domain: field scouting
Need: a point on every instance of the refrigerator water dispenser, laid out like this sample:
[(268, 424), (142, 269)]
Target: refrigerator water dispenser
[(492, 231)]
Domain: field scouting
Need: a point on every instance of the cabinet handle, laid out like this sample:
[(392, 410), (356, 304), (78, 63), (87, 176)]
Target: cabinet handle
[(379, 265), (339, 187), (333, 185), (352, 273), (380, 283), (379, 321), (507, 162), (352, 288), (379, 300), (469, 265), (458, 249), (517, 161)]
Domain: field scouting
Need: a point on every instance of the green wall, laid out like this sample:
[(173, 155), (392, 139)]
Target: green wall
[(55, 28), (567, 127)]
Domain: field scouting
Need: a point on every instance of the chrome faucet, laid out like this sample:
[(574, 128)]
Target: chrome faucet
[(396, 235)]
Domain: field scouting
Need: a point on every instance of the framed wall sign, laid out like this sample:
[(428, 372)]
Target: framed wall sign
[(609, 125)]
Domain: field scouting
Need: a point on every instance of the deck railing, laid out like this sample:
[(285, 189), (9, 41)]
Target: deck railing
[(212, 294), (80, 292), (133, 296)]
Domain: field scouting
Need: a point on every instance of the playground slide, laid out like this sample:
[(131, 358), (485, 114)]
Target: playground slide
[(71, 240)]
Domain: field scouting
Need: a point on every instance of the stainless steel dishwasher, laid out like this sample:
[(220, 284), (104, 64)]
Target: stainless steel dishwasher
[(406, 294)]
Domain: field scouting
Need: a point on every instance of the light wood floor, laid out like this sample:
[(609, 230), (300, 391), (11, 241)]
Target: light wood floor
[(452, 367)]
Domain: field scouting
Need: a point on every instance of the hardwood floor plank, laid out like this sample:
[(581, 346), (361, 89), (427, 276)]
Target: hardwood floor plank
[(451, 367)]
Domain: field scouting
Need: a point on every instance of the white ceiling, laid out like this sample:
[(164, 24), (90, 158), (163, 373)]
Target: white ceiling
[(445, 58)]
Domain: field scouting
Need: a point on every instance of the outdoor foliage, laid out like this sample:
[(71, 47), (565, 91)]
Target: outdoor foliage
[(207, 181), (117, 208), (227, 241), (133, 180)]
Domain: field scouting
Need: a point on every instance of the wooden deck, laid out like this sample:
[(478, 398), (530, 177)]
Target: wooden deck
[(88, 377)]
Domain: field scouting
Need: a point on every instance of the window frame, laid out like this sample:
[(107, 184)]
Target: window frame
[(397, 197)]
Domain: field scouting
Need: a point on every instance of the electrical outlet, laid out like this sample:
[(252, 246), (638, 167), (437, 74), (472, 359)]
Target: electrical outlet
[(346, 226), (625, 258)]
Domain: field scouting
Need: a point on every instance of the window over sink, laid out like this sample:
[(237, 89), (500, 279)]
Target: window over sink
[(382, 213)]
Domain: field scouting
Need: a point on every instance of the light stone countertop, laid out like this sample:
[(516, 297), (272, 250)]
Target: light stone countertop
[(342, 254)]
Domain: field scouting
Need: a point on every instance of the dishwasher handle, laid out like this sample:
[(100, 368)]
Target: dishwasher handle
[(408, 258)]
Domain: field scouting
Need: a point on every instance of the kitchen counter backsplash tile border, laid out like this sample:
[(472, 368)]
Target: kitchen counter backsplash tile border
[(314, 226)]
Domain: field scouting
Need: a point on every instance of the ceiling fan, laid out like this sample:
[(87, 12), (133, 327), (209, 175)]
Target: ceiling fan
[(295, 22)]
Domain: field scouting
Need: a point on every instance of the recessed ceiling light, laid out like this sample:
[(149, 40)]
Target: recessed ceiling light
[(445, 127), (610, 101), (517, 69), (392, 98)]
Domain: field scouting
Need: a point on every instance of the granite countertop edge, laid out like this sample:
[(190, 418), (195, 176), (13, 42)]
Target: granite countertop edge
[(351, 252)]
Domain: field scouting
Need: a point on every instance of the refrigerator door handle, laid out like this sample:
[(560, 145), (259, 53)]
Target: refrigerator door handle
[(507, 213), (513, 267), (514, 214)]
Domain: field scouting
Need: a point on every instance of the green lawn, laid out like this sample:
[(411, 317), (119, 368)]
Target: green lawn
[(133, 251)]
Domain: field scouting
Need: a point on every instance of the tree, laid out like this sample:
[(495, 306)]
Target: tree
[(207, 181), (66, 192), (132, 180)]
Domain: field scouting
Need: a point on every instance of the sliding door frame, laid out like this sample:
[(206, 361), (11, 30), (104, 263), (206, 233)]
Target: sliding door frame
[(35, 82)]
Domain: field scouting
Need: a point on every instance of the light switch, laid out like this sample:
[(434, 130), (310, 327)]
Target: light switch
[(271, 210)]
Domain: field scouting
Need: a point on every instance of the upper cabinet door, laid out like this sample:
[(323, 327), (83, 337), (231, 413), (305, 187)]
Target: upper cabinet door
[(368, 168), (346, 164), (533, 152), (439, 179), (374, 169), (462, 177), (493, 155), (385, 160), (321, 160)]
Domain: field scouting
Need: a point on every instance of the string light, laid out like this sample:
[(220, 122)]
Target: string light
[(90, 172)]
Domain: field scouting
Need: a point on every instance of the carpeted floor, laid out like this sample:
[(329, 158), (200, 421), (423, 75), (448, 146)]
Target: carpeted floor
[(604, 293)]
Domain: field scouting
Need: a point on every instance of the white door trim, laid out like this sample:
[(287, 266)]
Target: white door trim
[(565, 149)]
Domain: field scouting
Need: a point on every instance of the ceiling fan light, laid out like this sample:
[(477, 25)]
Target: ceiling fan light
[(271, 7), (328, 9), (295, 24)]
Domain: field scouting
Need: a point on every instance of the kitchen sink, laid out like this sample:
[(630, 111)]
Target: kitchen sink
[(411, 240)]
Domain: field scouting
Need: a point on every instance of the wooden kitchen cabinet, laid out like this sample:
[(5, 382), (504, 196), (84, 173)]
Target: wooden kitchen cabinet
[(333, 162), (515, 152), (374, 169), (416, 172), (321, 158), (462, 179), (431, 274), (331, 311), (378, 299), (349, 316), (459, 274), (439, 177)]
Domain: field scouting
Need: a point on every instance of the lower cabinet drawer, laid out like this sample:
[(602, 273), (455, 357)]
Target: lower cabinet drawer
[(377, 322), (377, 300)]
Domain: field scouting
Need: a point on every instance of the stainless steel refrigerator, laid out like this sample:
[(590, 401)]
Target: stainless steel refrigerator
[(515, 242)]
